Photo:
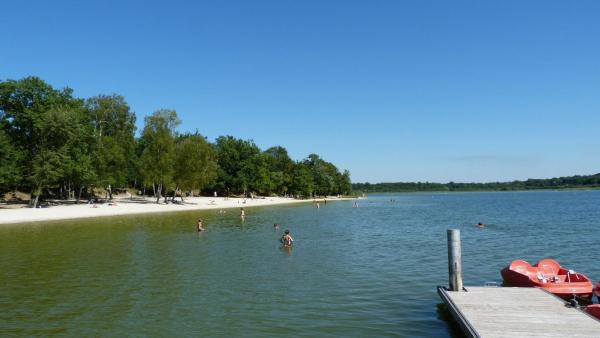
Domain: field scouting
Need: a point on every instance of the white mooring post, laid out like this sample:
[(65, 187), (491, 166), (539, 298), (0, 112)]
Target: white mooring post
[(454, 260)]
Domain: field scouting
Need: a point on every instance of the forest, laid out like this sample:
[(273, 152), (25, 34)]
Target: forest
[(56, 146), (569, 182)]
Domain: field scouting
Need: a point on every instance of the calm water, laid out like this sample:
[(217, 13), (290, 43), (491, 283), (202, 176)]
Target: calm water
[(366, 272)]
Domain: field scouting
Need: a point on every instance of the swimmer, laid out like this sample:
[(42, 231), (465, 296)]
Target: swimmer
[(286, 239), (275, 226), (480, 225), (200, 228)]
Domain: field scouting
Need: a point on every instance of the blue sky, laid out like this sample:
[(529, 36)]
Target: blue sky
[(390, 90)]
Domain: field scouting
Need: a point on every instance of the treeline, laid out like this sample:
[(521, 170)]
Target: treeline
[(53, 144), (570, 182)]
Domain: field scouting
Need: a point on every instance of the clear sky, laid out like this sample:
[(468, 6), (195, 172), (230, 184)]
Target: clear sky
[(390, 90)]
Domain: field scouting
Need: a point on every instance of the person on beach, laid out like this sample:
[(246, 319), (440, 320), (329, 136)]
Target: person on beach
[(275, 226), (286, 239), (200, 228)]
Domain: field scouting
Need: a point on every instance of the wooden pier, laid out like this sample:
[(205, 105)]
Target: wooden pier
[(516, 312)]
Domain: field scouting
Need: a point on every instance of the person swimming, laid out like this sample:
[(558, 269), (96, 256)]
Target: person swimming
[(480, 225), (199, 227), (286, 239), (275, 226)]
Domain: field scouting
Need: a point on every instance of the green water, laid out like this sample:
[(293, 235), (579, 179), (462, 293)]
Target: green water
[(366, 272)]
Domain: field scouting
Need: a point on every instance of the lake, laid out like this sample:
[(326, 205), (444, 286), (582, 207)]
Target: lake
[(370, 271)]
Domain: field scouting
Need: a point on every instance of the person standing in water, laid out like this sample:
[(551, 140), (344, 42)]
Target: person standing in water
[(200, 228), (275, 226), (242, 213), (286, 239)]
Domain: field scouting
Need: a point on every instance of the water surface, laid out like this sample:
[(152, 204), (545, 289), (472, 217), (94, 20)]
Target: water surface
[(366, 272)]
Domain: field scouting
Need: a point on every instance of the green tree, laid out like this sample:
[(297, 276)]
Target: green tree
[(195, 163), (54, 162), (239, 164), (79, 170), (280, 168), (10, 174), (113, 126), (302, 180), (158, 156), (344, 183), (40, 121)]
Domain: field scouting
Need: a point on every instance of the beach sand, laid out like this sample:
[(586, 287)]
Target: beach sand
[(126, 206)]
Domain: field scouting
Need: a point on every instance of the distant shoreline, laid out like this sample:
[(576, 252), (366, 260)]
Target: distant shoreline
[(126, 206), (463, 191), (557, 183)]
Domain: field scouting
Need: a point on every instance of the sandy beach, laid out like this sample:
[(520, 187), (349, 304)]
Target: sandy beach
[(126, 206)]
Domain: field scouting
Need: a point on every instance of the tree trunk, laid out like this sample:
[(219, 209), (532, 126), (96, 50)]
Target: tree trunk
[(153, 190), (157, 193), (109, 190), (31, 198), (175, 194), (37, 197), (79, 195)]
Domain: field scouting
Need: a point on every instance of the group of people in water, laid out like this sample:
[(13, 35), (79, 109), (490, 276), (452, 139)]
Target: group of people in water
[(287, 240)]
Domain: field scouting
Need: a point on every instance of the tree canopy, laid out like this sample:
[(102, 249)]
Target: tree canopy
[(58, 146)]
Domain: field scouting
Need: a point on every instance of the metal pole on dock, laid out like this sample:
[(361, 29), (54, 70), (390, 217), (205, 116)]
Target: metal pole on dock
[(454, 260)]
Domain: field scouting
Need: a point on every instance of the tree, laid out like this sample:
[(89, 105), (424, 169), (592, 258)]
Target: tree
[(54, 160), (344, 183), (280, 167), (302, 180), (158, 157), (238, 164), (323, 174), (113, 126), (10, 173), (79, 171), (195, 163), (40, 121)]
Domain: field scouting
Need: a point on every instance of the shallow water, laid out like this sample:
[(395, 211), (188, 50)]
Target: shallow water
[(370, 271)]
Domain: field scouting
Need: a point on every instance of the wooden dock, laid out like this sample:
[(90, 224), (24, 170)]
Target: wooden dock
[(516, 312)]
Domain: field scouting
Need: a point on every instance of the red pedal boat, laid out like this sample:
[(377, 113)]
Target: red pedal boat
[(593, 310), (548, 275), (597, 292)]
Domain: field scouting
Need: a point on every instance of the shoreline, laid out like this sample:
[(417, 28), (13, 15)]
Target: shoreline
[(463, 191), (126, 206)]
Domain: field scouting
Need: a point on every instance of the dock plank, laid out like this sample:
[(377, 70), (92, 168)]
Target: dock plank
[(491, 312)]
